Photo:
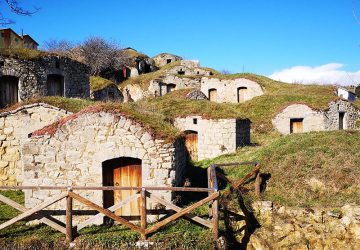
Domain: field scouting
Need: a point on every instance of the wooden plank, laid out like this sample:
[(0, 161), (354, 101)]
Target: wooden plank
[(258, 184), (105, 212), (150, 188), (215, 218), (100, 215), (33, 210), (69, 228), (181, 213), (177, 209), (48, 220), (143, 219)]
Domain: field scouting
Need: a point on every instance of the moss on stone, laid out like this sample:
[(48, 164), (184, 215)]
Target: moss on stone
[(99, 83)]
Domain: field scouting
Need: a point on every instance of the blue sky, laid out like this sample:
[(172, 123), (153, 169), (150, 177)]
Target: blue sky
[(258, 36)]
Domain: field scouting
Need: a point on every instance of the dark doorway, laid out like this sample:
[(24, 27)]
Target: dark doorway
[(168, 61), (122, 172), (9, 90), (341, 120), (170, 87), (191, 144), (55, 85), (296, 125)]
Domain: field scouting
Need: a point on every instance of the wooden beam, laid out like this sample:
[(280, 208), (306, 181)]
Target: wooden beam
[(33, 210), (105, 212), (177, 209), (258, 184), (181, 213), (143, 218), (69, 228), (215, 218), (48, 220), (113, 208)]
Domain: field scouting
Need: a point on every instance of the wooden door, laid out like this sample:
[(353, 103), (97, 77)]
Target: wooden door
[(241, 94), (213, 95), (9, 90), (127, 175), (191, 144), (55, 85), (296, 125)]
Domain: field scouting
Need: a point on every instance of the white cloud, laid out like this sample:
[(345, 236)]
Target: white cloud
[(331, 73)]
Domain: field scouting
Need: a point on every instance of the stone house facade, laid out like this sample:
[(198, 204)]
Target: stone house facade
[(298, 118), (231, 91), (91, 147), (23, 79), (165, 58), (15, 126), (209, 138)]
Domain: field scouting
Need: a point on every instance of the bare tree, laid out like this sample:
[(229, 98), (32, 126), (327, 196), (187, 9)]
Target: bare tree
[(15, 7), (62, 47), (225, 72), (101, 55)]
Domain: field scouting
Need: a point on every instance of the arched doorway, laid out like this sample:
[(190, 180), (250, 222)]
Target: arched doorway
[(191, 144), (9, 90), (55, 85), (122, 172), (241, 94), (213, 95)]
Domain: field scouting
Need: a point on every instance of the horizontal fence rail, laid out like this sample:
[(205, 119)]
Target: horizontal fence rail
[(144, 194)]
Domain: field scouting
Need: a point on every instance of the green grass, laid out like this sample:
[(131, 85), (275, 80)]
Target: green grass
[(99, 83), (23, 53), (70, 104), (330, 157)]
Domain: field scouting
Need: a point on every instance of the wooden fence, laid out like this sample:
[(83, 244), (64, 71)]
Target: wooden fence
[(145, 194)]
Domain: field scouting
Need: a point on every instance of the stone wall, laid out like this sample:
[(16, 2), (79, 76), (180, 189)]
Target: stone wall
[(159, 87), (351, 115), (109, 93), (15, 127), (216, 137), (312, 120), (165, 58), (227, 90), (75, 153), (305, 228), (32, 75)]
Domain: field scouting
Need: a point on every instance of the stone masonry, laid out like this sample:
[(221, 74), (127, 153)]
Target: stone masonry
[(15, 127), (216, 137), (75, 153), (227, 90), (322, 120), (312, 120), (32, 75), (351, 115)]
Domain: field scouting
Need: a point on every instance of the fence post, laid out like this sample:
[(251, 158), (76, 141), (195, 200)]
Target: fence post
[(69, 203), (258, 184), (143, 219), (215, 218)]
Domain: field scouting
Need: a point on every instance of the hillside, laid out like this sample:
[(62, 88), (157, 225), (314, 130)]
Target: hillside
[(311, 169)]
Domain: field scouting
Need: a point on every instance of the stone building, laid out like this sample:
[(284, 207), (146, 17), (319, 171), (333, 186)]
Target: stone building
[(15, 127), (341, 114), (109, 93), (168, 83), (10, 39), (47, 75), (98, 148), (165, 58), (231, 91), (209, 138), (298, 118)]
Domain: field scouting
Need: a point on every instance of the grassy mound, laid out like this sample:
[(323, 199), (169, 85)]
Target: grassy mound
[(311, 169), (99, 83)]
